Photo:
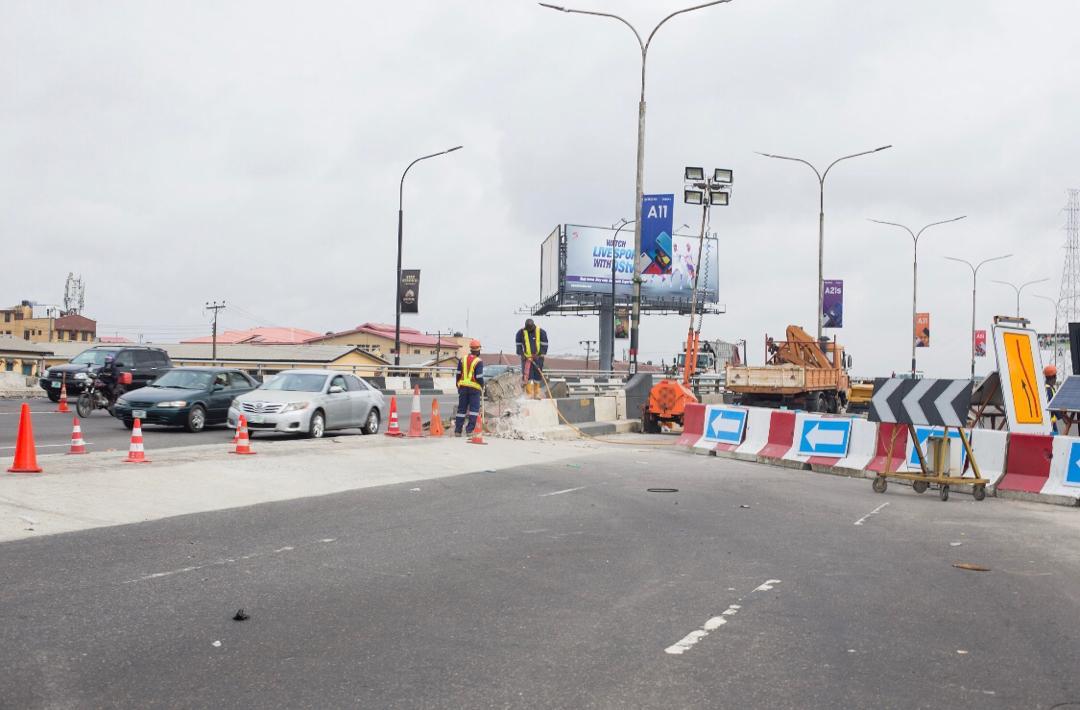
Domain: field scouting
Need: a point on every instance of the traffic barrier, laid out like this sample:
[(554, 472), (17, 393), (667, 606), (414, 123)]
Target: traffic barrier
[(436, 419), (25, 453), (416, 420), (1064, 477), (478, 433), (891, 448), (989, 447), (136, 453), (861, 450), (78, 446), (393, 429), (781, 435), (819, 440), (243, 440), (723, 429), (693, 425), (1027, 463), (756, 436), (62, 407)]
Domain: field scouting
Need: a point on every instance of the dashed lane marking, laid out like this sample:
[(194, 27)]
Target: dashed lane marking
[(875, 511), (219, 563), (691, 639), (566, 490)]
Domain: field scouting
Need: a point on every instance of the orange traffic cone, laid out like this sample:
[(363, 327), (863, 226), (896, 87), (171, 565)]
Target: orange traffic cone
[(236, 432), (136, 454), (393, 429), (478, 433), (416, 419), (63, 407), (436, 420), (78, 446), (243, 442), (25, 453)]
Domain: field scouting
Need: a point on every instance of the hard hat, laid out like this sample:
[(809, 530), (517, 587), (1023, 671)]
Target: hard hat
[(474, 344), (1050, 371)]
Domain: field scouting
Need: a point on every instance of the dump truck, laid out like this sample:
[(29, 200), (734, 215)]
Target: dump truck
[(799, 372)]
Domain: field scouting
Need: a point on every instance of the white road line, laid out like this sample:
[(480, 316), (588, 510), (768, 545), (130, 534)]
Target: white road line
[(567, 490), (218, 563), (41, 446), (875, 511), (690, 640)]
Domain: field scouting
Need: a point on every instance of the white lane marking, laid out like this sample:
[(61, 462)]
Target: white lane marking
[(875, 511), (44, 446), (567, 490), (690, 640), (218, 563)]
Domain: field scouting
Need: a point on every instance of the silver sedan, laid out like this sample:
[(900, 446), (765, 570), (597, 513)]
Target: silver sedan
[(310, 402)]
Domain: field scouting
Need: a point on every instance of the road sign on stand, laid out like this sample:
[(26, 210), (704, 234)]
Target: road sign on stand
[(824, 437), (927, 402), (724, 425)]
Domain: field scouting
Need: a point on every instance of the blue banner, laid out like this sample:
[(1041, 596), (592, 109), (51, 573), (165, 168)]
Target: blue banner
[(832, 304), (657, 213)]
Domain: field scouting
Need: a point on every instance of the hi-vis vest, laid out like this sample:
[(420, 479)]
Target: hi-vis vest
[(468, 372), (530, 346)]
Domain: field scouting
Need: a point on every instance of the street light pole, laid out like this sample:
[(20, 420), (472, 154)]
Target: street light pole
[(639, 188), (1057, 309), (1019, 289), (400, 219), (614, 239), (974, 276), (821, 220), (915, 273)]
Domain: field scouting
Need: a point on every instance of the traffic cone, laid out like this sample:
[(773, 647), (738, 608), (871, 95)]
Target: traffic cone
[(63, 407), (243, 442), (236, 432), (478, 433), (393, 429), (436, 420), (136, 454), (25, 453), (78, 446), (416, 419)]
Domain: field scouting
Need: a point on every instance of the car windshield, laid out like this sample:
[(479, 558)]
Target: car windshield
[(93, 357), (184, 379), (295, 382)]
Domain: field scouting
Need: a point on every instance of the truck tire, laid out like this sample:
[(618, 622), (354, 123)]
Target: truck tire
[(649, 422)]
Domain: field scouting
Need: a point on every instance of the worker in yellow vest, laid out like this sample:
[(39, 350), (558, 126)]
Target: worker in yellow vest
[(532, 346), (470, 387)]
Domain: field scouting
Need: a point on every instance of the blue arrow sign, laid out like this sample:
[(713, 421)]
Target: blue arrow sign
[(725, 426), (1072, 473), (824, 437), (925, 432)]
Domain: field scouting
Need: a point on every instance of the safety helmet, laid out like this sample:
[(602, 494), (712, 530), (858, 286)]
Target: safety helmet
[(1050, 371), (474, 344)]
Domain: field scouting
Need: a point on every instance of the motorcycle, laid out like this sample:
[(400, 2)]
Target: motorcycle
[(102, 393)]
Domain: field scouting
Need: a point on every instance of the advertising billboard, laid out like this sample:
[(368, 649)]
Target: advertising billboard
[(832, 304), (657, 213), (922, 330), (591, 250), (549, 265)]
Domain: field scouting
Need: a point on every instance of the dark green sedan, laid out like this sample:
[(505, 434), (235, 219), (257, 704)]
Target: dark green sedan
[(189, 397)]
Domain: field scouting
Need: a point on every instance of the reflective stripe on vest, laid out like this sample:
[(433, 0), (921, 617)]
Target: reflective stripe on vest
[(529, 346), (468, 372)]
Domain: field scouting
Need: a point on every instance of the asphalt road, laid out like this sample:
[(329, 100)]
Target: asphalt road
[(52, 431), (558, 586)]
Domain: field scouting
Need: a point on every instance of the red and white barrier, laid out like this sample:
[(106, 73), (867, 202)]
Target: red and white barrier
[(693, 425), (781, 435), (891, 450), (861, 450), (757, 434), (1027, 463), (1064, 477), (989, 447)]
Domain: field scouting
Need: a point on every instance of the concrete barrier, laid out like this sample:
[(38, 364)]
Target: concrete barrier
[(1064, 479), (606, 409), (781, 436), (861, 451), (1027, 463), (891, 448), (756, 437), (577, 410), (446, 384), (724, 439), (398, 384), (989, 447), (693, 425)]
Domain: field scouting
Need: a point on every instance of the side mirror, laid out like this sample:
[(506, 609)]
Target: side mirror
[(335, 389)]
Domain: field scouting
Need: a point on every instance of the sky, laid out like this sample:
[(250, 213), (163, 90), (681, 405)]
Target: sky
[(251, 152)]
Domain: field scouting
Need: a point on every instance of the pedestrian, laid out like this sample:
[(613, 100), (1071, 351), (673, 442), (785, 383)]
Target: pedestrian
[(532, 346), (470, 387), (1050, 374)]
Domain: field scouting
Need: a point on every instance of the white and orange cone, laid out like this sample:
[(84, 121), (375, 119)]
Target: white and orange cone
[(416, 419), (136, 454), (243, 441), (436, 420), (393, 429), (62, 407), (478, 433), (78, 446)]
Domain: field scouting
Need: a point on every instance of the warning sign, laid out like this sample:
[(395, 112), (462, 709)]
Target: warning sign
[(1022, 384)]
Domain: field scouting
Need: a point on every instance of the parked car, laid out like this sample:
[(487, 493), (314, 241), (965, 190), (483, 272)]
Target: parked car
[(191, 397), (143, 362), (310, 402)]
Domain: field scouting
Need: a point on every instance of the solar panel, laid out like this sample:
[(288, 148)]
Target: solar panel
[(1067, 398)]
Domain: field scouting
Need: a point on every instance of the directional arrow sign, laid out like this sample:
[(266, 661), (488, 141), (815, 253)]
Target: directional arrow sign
[(725, 425), (1072, 474), (824, 437), (925, 402), (923, 433)]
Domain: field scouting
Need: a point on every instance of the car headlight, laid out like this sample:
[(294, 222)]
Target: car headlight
[(175, 404), (80, 376), (295, 407), (234, 405)]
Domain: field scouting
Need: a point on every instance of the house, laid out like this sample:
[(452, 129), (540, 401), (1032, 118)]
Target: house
[(259, 336), (39, 325), (378, 339), (21, 356)]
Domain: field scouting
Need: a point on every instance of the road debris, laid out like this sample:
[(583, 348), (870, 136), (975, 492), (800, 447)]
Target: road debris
[(662, 490), (240, 615), (970, 566)]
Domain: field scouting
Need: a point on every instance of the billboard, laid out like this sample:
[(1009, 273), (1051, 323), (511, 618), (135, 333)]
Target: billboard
[(657, 213), (590, 252), (549, 265), (409, 290), (922, 330), (832, 304)]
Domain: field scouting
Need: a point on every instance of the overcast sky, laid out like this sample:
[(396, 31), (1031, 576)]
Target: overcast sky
[(175, 153)]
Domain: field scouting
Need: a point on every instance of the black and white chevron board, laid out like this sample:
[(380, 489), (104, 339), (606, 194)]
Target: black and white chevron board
[(925, 402)]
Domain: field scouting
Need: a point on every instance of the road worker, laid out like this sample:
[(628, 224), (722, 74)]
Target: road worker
[(1050, 375), (470, 387), (532, 346)]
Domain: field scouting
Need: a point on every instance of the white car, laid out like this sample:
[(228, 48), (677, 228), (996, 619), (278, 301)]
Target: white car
[(310, 402)]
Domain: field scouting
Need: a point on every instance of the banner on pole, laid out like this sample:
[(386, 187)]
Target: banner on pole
[(622, 323), (657, 213), (409, 290), (980, 343), (832, 304), (922, 330)]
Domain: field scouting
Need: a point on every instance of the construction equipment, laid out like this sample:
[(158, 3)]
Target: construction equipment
[(799, 372)]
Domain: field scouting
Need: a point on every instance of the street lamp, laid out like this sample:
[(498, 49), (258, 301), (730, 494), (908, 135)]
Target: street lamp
[(1019, 289), (821, 221), (1057, 309), (974, 275), (397, 286), (915, 272), (639, 189)]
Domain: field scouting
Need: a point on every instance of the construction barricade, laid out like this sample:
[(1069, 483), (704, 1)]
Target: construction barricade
[(990, 447), (781, 436), (756, 436), (1027, 464), (891, 448), (693, 425), (860, 453), (819, 440), (1064, 479), (723, 429)]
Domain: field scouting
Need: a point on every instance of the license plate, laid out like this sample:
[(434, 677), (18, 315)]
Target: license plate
[(55, 385), (257, 419), (138, 414)]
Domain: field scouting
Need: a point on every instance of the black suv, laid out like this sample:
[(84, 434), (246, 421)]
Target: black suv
[(144, 363)]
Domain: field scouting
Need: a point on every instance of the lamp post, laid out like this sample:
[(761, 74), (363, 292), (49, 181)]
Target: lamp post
[(1057, 309), (614, 239), (1019, 289), (397, 283), (639, 189), (821, 220), (915, 272), (974, 276)]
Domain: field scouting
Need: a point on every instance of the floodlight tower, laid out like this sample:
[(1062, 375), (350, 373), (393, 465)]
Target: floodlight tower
[(1068, 307)]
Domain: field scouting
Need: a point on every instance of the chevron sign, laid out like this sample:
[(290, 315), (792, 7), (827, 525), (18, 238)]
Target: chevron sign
[(925, 402)]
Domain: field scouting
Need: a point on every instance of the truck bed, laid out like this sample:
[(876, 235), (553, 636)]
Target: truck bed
[(782, 379)]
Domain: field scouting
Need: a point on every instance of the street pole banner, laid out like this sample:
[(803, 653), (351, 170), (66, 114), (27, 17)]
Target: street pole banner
[(922, 330), (409, 290), (622, 323), (832, 304), (980, 343), (657, 214)]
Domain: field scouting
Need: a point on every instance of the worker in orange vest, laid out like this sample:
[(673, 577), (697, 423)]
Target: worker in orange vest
[(470, 387)]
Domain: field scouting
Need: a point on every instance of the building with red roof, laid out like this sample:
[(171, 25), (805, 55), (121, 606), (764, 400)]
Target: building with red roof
[(378, 338), (259, 336)]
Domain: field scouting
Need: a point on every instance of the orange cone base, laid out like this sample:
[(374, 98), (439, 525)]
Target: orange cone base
[(136, 460), (244, 453), (24, 470)]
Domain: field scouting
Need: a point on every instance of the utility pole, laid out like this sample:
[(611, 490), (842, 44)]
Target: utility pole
[(588, 350), (215, 307), (438, 344)]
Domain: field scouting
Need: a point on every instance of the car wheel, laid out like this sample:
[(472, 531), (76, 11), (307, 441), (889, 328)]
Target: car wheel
[(54, 395), (317, 427), (196, 419), (371, 426)]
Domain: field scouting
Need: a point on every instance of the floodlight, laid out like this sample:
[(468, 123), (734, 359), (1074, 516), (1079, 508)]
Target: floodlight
[(693, 197), (722, 176), (694, 175), (718, 198)]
